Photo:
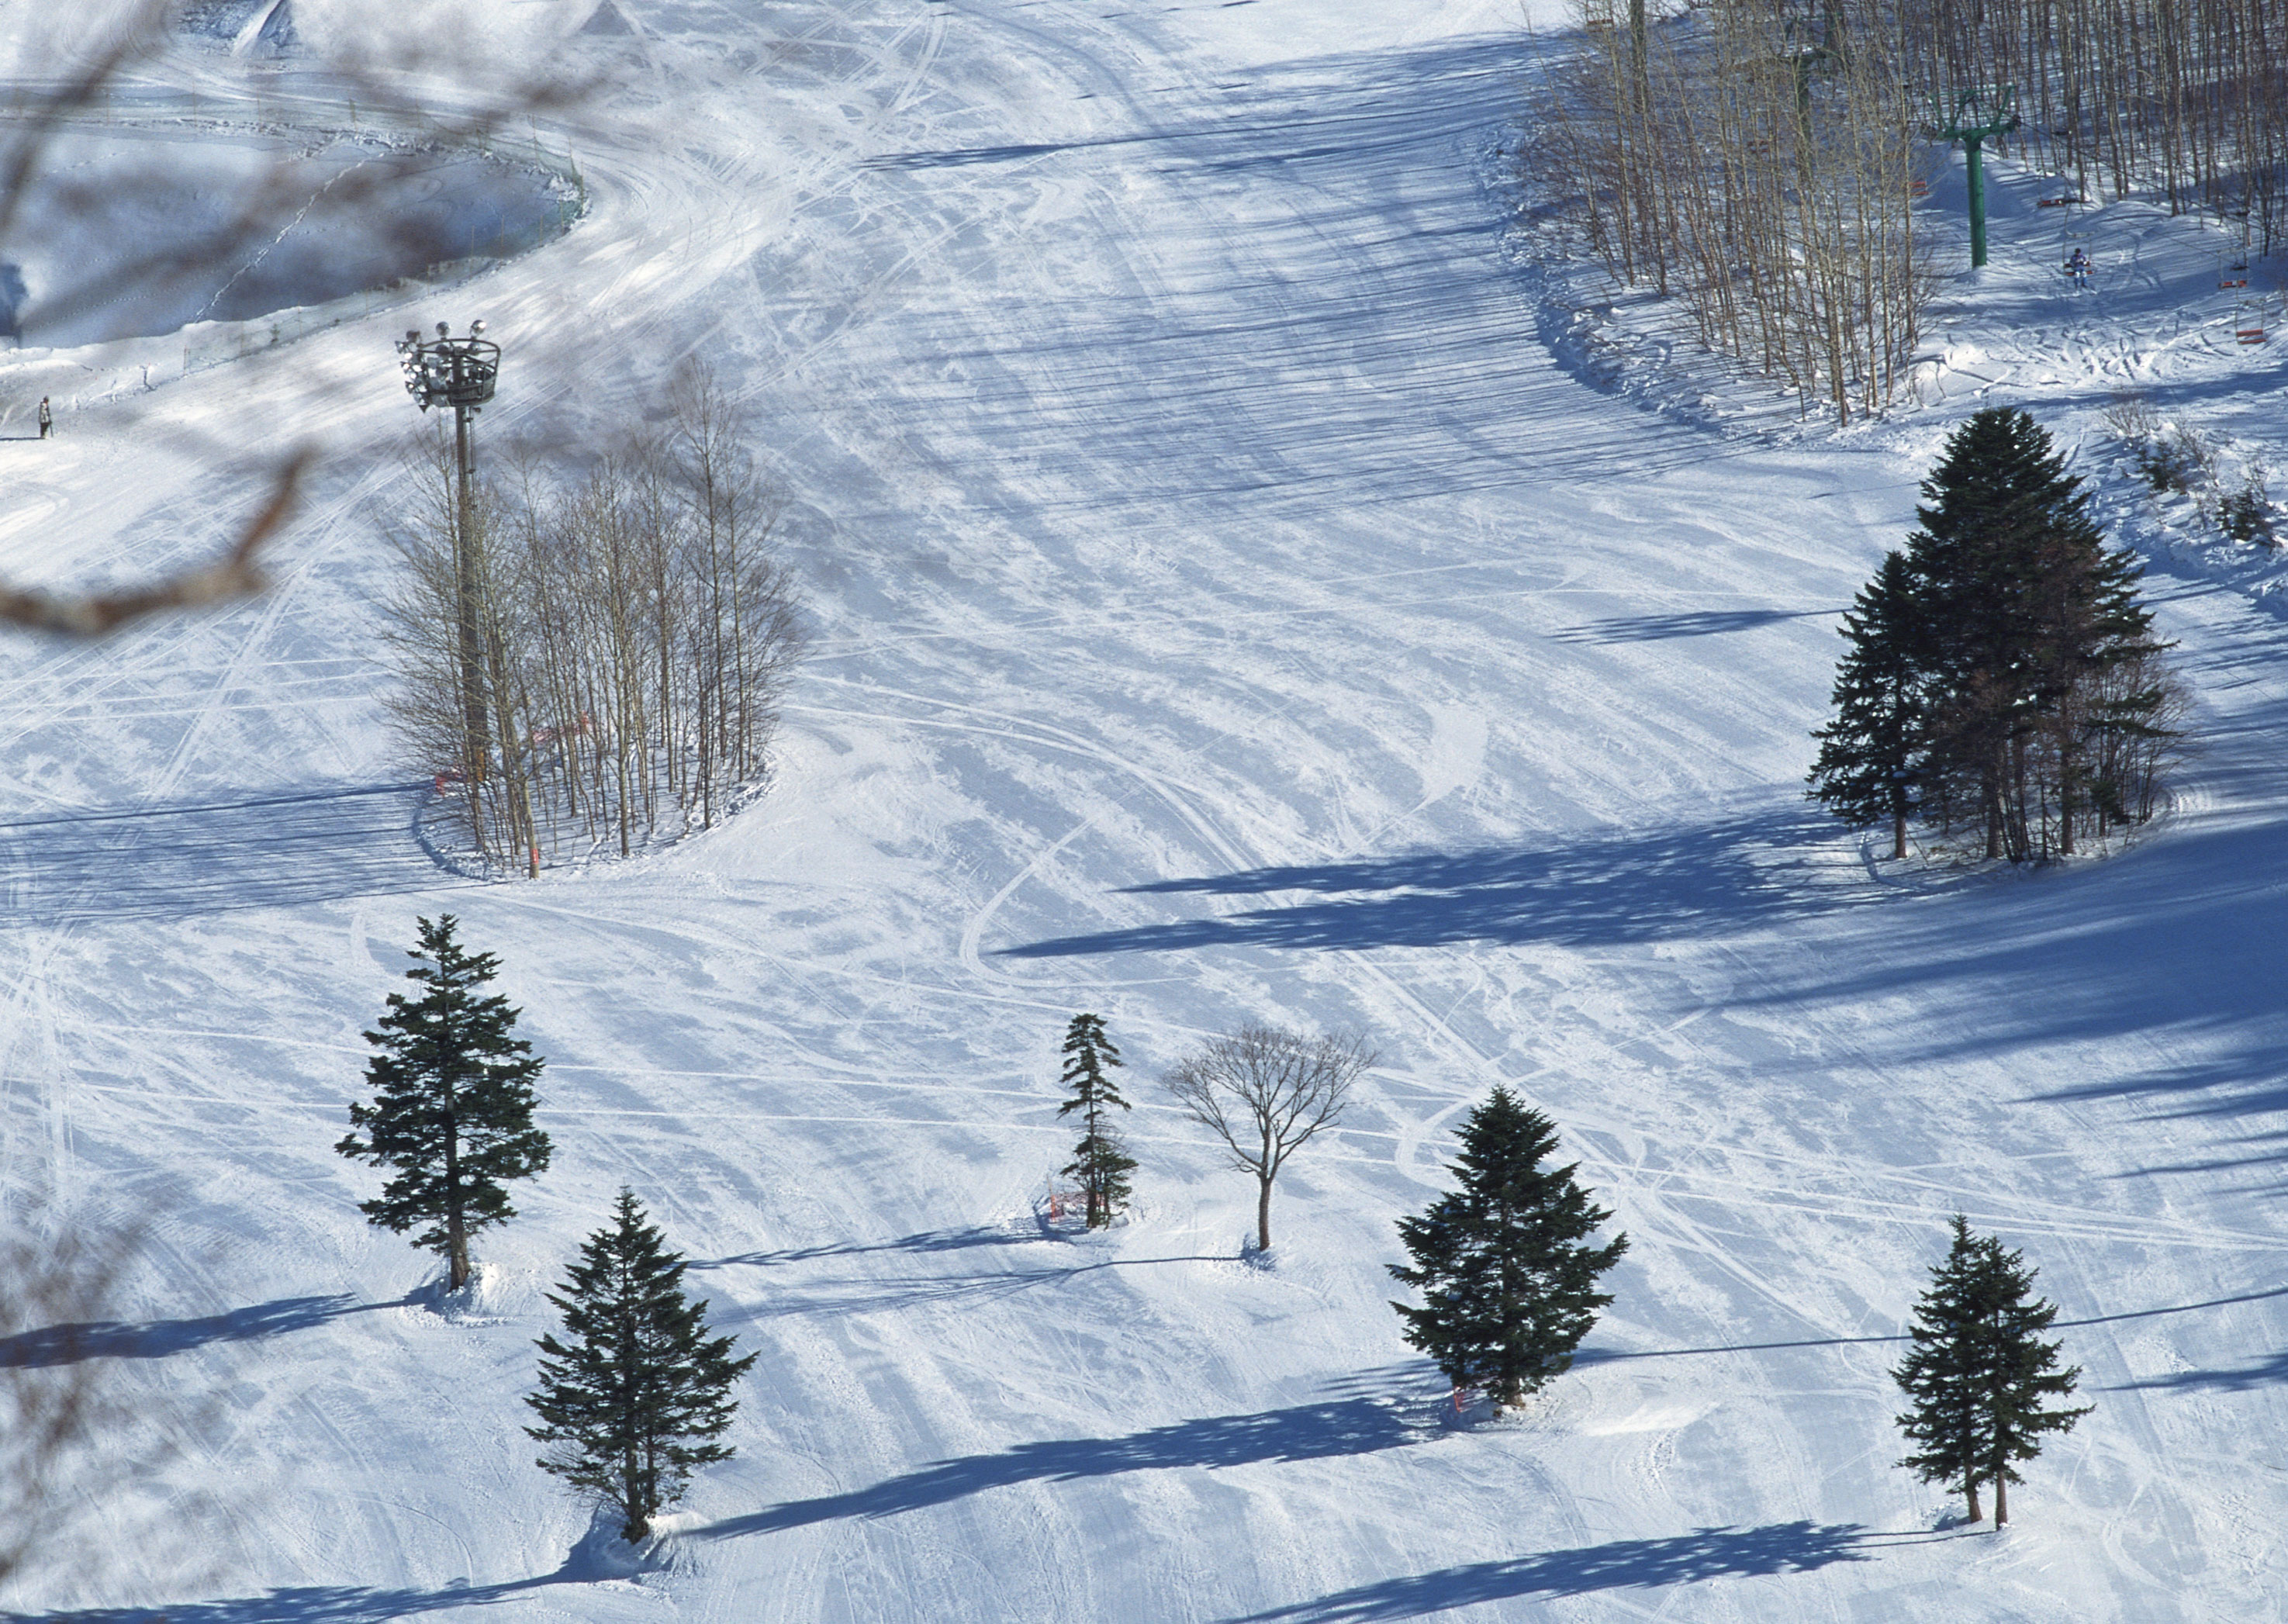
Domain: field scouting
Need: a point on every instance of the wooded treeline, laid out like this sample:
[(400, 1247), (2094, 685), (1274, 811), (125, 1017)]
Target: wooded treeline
[(1759, 159), (2187, 99), (1755, 158), (635, 634), (2002, 672)]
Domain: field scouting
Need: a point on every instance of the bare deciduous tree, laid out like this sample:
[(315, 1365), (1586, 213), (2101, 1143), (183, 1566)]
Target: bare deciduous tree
[(1757, 159), (1264, 1093), (637, 633)]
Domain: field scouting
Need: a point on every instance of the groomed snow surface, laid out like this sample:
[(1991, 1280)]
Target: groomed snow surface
[(1234, 598)]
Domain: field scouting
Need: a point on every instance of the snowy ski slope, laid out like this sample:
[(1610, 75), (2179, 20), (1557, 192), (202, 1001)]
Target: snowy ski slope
[(1228, 606)]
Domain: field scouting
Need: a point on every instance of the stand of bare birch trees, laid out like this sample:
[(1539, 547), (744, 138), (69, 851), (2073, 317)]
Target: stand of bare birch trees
[(635, 635), (2187, 99), (1759, 159), (1755, 158)]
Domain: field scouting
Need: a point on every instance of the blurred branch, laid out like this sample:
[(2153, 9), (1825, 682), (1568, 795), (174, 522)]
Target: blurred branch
[(234, 576), (395, 107), (59, 1412)]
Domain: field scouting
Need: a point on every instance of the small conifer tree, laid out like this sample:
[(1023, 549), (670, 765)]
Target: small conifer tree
[(1507, 1278), (452, 1103), (1099, 1163), (639, 1393), (1979, 1372), (1870, 757)]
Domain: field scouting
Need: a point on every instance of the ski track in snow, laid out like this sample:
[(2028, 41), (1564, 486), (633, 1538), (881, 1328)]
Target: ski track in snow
[(1228, 607)]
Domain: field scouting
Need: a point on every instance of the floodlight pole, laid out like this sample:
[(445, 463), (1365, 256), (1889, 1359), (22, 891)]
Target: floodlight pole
[(461, 373), (468, 587), (1979, 115)]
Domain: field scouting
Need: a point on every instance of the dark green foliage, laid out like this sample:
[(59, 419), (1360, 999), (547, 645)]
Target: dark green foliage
[(635, 1397), (2173, 461), (1980, 1373), (1508, 1285), (2004, 666), (2245, 515), (452, 1103), (1871, 756), (1099, 1163)]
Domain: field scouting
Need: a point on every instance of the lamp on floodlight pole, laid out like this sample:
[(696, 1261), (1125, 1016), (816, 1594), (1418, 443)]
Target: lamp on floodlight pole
[(1977, 115), (460, 373)]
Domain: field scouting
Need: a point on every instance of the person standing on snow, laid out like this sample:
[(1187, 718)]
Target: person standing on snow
[(47, 417), (2077, 268)]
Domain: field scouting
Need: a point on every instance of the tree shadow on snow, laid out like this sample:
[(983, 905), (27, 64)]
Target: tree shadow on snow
[(1700, 623), (1681, 1559), (178, 861), (1656, 885), (928, 1240), (2266, 1373), (152, 1339), (584, 1564), (1305, 1432), (305, 1604), (870, 1293)]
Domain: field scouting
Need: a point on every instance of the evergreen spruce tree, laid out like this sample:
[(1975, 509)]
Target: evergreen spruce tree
[(2022, 601), (2003, 663), (639, 1393), (1980, 1372), (452, 1103), (1099, 1164), (1508, 1282), (1870, 757)]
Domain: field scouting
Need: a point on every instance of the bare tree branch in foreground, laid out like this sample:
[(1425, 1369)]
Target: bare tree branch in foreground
[(82, 1495), (232, 575), (387, 85), (1264, 1092)]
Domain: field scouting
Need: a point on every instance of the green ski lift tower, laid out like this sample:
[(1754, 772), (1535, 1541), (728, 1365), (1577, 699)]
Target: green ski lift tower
[(1973, 117)]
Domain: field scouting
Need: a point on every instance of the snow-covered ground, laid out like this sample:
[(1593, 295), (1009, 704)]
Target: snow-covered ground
[(1228, 605)]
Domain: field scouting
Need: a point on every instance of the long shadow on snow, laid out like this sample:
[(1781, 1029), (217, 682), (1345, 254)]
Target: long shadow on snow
[(928, 1240), (1696, 623), (178, 861), (872, 1294), (2266, 1373), (1709, 881), (153, 1339), (2171, 946), (1620, 1565), (317, 1604), (334, 1604), (1305, 1432)]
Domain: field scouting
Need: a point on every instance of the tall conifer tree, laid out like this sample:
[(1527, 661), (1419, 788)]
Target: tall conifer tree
[(1980, 1372), (452, 1103), (640, 1393), (1099, 1163), (2004, 656), (1508, 1282)]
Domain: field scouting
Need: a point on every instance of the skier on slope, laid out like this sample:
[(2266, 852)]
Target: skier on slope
[(47, 417), (2077, 268)]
